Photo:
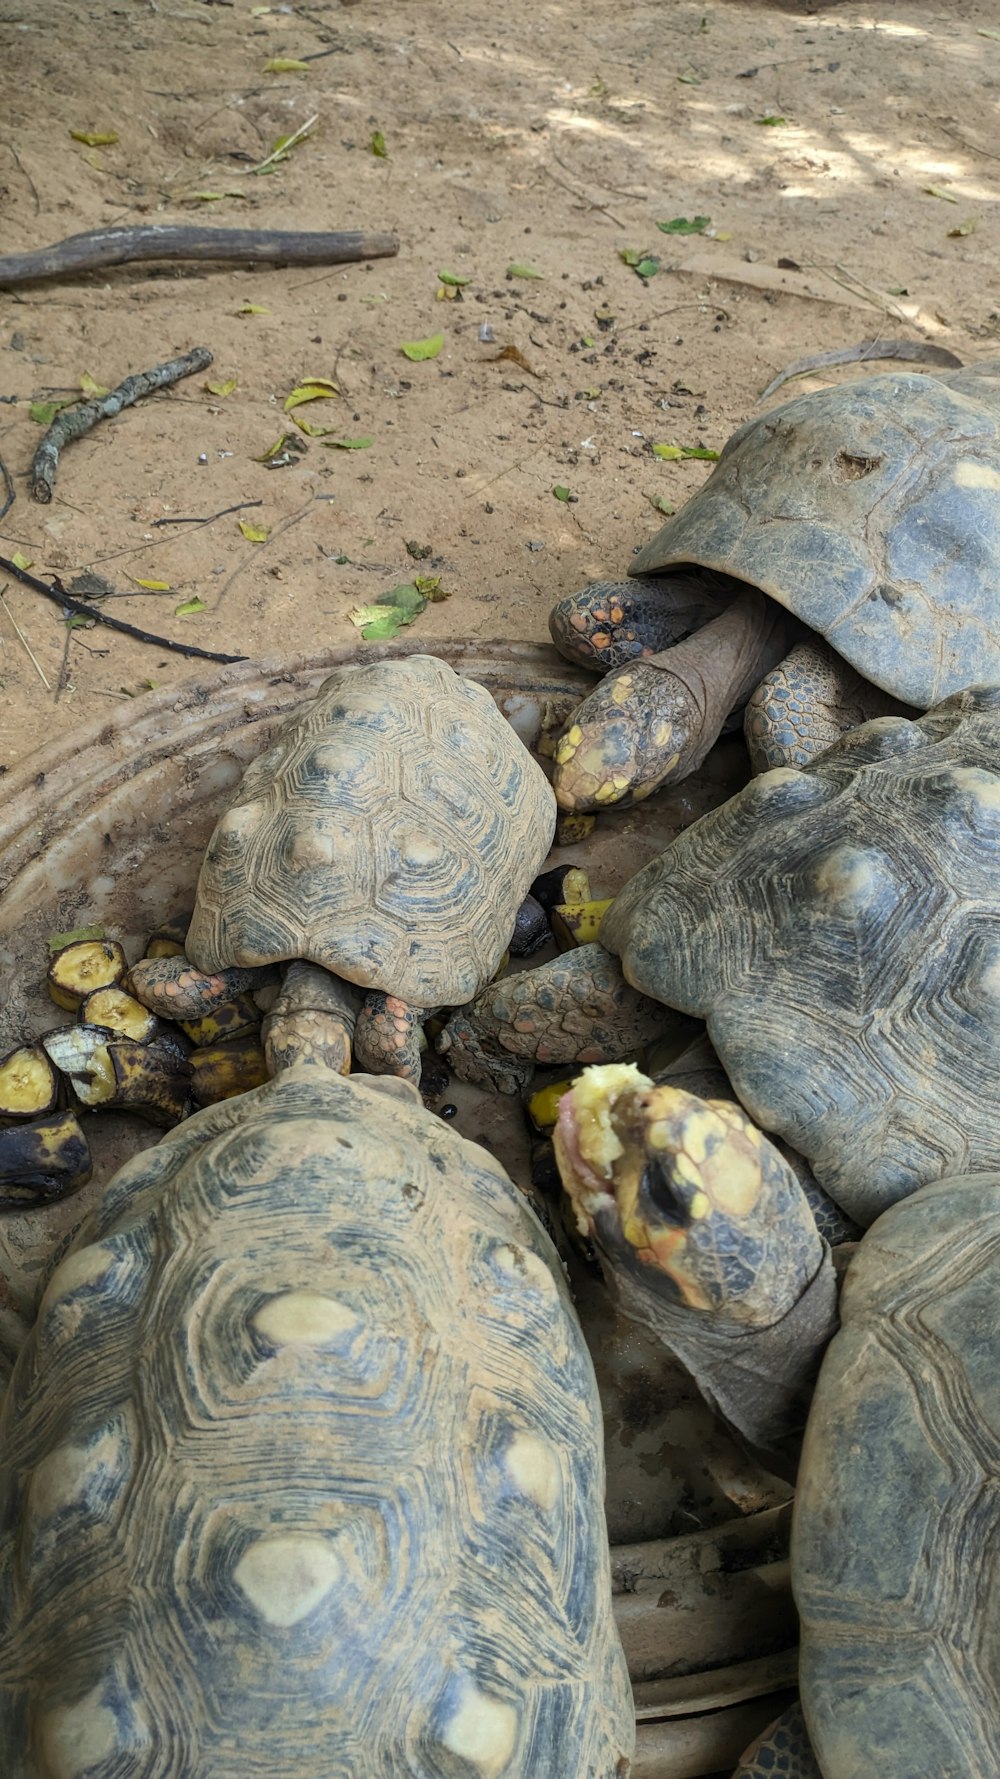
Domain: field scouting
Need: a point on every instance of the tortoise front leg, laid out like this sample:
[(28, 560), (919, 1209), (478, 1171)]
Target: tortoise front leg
[(806, 703), (387, 1038)]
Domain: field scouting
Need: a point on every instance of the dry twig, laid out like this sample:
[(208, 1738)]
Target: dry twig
[(72, 423)]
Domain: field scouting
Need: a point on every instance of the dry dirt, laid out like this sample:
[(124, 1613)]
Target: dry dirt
[(544, 135)]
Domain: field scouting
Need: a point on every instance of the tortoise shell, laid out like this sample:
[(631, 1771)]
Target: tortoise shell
[(308, 1481), (872, 512), (839, 930), (895, 1553), (389, 834)]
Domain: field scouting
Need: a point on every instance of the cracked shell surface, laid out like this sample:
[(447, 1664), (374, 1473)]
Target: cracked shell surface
[(872, 512), (899, 1633), (389, 834), (308, 1482), (838, 929)]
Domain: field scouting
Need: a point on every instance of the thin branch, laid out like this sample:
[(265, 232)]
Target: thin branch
[(240, 507), (120, 247), (60, 597), (36, 664), (72, 423), (9, 488)]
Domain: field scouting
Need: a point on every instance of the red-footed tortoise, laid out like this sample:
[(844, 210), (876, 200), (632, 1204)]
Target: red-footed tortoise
[(301, 1468), (389, 836), (858, 527)]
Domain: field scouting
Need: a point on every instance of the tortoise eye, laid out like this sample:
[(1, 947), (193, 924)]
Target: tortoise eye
[(658, 1187)]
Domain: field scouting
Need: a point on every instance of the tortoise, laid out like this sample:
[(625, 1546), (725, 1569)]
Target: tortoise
[(842, 558), (897, 1673), (302, 1466), (388, 836)]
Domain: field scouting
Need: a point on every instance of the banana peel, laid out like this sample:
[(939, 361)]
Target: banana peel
[(221, 1071), (578, 923), (232, 1019), (42, 1161)]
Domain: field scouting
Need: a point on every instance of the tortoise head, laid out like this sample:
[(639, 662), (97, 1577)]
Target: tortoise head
[(685, 1195)]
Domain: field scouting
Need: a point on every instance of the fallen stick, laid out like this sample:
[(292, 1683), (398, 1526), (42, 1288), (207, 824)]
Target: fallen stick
[(72, 423), (120, 247), (60, 597)]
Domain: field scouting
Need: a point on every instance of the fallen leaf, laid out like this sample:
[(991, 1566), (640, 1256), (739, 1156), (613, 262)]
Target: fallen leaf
[(516, 271), (515, 356), (983, 32), (770, 121), (285, 65), (718, 235), (689, 79), (151, 586), (419, 552), (307, 426), (253, 309), (968, 227), (453, 278), (447, 293), (283, 146), (254, 534), (378, 145), (389, 613), (21, 562), (225, 388), (280, 442), (91, 389), (95, 138), (429, 585), (211, 197), (417, 350), (43, 413), (673, 453), (661, 505), (939, 191), (311, 389), (561, 492), (189, 606), (56, 941), (682, 225)]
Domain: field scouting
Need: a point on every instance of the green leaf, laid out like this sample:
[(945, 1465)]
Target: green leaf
[(673, 453), (683, 225), (43, 413), (661, 505), (561, 492), (389, 613), (361, 444), (56, 941), (189, 606), (151, 586), (225, 388), (211, 197), (417, 350), (273, 450), (20, 561), (516, 271), (254, 534), (689, 79), (453, 278), (645, 265), (939, 191), (285, 65), (253, 309), (378, 145), (968, 227), (770, 121), (95, 138), (429, 586), (91, 389), (587, 340)]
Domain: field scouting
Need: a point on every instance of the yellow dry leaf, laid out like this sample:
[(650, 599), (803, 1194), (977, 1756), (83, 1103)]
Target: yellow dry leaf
[(151, 586), (306, 426), (225, 388), (285, 65), (94, 160), (939, 191), (312, 389), (253, 309), (21, 562), (91, 389), (95, 138), (254, 534)]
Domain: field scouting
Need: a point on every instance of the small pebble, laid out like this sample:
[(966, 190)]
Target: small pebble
[(448, 1111)]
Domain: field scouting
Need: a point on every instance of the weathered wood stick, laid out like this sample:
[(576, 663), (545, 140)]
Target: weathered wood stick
[(72, 423), (119, 247)]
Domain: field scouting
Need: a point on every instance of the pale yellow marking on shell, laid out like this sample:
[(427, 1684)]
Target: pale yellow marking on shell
[(699, 1206), (534, 1469), (621, 690), (660, 1135), (982, 787), (305, 1317), (609, 791), (85, 1267), (419, 849), (696, 1131), (311, 851), (482, 1731), (240, 819), (976, 475), (735, 1181), (686, 1170), (662, 731), (569, 744), (61, 1477), (77, 1738), (285, 1577), (522, 1263)]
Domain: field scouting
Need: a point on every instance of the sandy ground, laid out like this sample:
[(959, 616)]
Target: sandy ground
[(543, 136)]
